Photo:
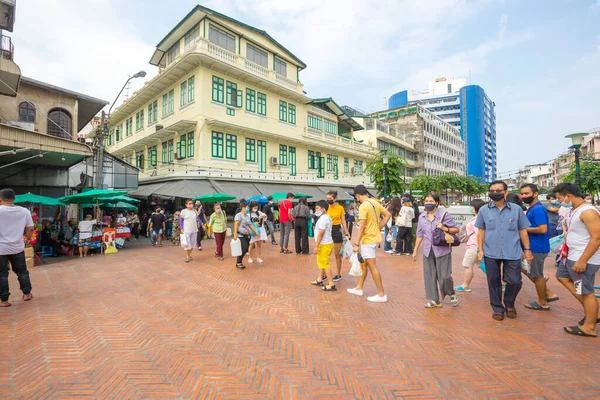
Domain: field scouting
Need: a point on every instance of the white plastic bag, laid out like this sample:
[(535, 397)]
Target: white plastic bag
[(346, 250), (356, 269), (183, 240), (389, 237), (236, 248)]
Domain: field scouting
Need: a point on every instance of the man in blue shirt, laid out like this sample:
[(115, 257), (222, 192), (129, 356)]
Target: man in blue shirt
[(502, 229), (539, 239)]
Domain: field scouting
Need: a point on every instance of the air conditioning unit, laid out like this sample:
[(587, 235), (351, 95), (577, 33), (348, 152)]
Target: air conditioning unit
[(274, 161), (178, 156)]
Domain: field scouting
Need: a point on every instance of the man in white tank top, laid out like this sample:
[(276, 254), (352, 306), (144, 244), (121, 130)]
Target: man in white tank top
[(583, 260)]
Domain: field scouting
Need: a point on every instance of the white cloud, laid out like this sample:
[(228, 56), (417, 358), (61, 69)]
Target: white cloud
[(80, 45)]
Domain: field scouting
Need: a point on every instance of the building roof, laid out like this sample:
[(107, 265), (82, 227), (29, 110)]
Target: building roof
[(88, 106), (196, 15), (330, 105)]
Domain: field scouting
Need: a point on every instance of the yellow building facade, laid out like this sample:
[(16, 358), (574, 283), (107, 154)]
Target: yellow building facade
[(227, 106)]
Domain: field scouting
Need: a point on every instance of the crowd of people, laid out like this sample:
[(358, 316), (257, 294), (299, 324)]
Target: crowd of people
[(508, 237)]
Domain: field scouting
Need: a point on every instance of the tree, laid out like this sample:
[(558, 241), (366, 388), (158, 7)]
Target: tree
[(590, 177), (395, 176), (425, 183), (467, 185)]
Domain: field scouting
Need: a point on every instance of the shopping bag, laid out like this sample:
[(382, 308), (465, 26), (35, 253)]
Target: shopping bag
[(389, 237), (311, 231), (183, 240), (482, 266), (556, 243), (356, 269), (111, 249), (228, 234), (346, 250), (236, 247)]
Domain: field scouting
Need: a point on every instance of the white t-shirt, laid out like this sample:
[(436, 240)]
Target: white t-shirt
[(85, 228), (13, 221), (324, 223), (578, 235), (190, 224)]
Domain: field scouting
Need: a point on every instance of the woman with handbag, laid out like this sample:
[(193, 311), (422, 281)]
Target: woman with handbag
[(241, 230), (437, 232), (258, 219)]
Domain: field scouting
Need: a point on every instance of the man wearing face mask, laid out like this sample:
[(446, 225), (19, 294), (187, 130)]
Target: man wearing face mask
[(218, 224), (502, 229), (268, 210), (539, 239), (552, 208)]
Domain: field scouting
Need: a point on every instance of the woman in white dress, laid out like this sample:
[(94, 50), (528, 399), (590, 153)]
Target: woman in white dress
[(258, 219)]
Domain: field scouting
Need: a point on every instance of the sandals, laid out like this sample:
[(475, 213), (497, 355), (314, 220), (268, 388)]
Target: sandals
[(553, 299), (433, 304), (535, 306), (576, 330), (240, 266), (329, 288), (461, 288), (317, 283), (27, 297), (511, 312), (583, 321), (498, 316), (287, 252)]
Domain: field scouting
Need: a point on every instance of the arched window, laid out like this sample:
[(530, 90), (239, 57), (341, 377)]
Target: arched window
[(26, 112), (59, 123)]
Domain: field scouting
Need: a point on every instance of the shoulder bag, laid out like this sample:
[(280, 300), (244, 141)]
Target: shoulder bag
[(441, 238)]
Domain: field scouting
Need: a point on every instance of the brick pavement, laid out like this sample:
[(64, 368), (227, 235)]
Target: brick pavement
[(142, 324)]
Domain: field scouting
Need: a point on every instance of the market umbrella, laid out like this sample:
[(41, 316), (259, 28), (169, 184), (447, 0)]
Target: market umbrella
[(92, 196), (120, 199), (283, 196), (298, 195), (119, 206), (260, 199), (215, 197), (37, 199)]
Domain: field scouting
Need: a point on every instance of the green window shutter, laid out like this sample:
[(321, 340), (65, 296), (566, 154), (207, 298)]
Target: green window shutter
[(191, 89), (292, 160), (262, 156), (149, 113), (190, 143), (171, 101), (141, 119), (165, 100), (335, 167), (231, 111), (155, 108), (153, 154), (329, 162), (231, 147), (320, 165), (182, 147), (218, 90), (283, 151), (282, 111), (250, 100), (164, 158), (311, 159), (262, 103), (183, 94), (346, 165), (250, 150), (292, 114), (217, 145), (234, 96), (171, 151)]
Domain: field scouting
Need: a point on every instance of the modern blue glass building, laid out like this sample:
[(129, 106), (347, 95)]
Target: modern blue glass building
[(470, 110)]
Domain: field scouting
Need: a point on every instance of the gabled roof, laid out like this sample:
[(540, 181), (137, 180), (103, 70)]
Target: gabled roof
[(330, 105), (196, 15)]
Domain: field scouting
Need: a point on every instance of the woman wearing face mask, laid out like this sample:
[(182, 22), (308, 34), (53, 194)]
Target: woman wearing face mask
[(241, 230), (258, 221), (188, 228), (339, 230), (437, 260), (301, 215), (218, 225)]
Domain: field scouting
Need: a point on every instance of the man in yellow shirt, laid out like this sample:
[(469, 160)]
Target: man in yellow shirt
[(371, 223)]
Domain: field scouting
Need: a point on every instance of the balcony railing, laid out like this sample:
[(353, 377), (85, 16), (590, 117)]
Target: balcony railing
[(7, 49)]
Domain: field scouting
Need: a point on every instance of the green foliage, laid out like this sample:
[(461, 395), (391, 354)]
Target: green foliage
[(467, 185), (590, 177), (395, 179)]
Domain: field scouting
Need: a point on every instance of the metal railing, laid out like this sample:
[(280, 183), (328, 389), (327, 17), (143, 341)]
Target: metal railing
[(7, 49)]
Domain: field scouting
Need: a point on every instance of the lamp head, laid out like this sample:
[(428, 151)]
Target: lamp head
[(577, 138), (140, 74), (385, 158)]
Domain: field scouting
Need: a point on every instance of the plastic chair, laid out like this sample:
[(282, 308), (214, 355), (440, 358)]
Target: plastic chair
[(46, 251)]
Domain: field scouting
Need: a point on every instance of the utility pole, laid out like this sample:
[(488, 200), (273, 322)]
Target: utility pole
[(100, 153)]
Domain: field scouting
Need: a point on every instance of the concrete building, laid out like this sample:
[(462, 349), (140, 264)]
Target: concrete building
[(538, 174), (561, 166), (431, 146), (10, 73), (227, 113), (466, 107)]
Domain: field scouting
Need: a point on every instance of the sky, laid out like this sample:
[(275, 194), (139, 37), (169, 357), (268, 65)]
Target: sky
[(539, 60)]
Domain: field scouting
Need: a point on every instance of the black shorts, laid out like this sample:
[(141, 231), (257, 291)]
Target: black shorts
[(336, 234)]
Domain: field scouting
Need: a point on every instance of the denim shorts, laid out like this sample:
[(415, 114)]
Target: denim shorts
[(584, 282)]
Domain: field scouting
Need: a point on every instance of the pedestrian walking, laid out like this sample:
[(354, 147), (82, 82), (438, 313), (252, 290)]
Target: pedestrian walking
[(285, 222), (218, 224), (502, 230), (552, 207), (257, 218), (241, 230), (394, 206), (15, 221), (437, 259), (324, 245), (176, 234), (201, 223), (268, 209), (470, 261), (403, 223), (134, 224), (372, 217), (301, 215), (157, 226), (339, 229), (539, 240), (583, 260), (188, 227), (350, 212)]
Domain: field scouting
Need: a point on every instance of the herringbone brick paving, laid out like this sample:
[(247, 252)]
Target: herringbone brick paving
[(143, 324)]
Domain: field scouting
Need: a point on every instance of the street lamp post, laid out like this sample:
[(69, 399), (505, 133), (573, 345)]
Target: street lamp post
[(386, 159), (104, 131), (576, 141)]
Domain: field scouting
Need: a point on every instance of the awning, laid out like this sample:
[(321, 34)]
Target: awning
[(185, 188), (147, 190), (310, 190), (270, 188), (341, 192), (241, 190)]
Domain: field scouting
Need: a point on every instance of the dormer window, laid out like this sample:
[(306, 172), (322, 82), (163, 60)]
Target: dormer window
[(221, 38)]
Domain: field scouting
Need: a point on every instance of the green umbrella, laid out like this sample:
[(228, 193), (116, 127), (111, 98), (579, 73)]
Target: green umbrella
[(37, 199), (92, 196), (119, 206), (120, 199), (298, 195), (215, 197), (283, 196)]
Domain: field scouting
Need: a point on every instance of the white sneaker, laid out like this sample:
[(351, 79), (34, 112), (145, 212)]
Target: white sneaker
[(355, 291), (390, 251), (259, 260), (377, 299), (250, 261)]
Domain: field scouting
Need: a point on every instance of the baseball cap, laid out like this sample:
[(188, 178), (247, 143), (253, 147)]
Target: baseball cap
[(361, 190)]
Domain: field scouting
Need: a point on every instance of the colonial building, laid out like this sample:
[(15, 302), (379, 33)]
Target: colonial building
[(227, 113)]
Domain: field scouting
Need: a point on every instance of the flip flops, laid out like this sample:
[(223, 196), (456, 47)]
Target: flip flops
[(535, 306), (462, 289), (576, 330), (583, 321)]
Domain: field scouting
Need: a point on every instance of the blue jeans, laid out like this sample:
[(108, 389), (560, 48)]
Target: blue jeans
[(387, 245)]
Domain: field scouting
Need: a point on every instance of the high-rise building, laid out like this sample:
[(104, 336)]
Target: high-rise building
[(227, 113), (466, 107)]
